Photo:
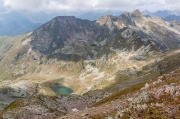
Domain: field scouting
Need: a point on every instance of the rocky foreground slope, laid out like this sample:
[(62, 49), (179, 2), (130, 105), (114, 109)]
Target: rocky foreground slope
[(157, 99)]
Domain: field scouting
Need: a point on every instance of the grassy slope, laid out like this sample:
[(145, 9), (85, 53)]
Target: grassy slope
[(9, 48)]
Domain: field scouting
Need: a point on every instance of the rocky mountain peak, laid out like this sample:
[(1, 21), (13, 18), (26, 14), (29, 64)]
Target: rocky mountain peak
[(137, 12), (61, 31), (105, 20), (64, 19)]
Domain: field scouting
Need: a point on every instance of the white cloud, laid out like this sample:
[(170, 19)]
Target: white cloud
[(1, 6), (87, 5), (23, 4)]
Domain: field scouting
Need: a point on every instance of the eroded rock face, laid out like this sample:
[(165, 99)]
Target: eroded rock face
[(44, 107), (5, 101), (20, 89), (18, 92)]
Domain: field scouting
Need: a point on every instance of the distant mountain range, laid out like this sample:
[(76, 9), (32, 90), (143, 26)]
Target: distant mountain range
[(95, 15), (20, 22), (172, 18), (165, 14)]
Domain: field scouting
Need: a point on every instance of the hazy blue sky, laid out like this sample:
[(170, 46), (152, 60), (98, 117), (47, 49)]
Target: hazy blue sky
[(88, 5)]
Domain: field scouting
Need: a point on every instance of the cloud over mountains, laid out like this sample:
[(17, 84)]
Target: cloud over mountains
[(86, 5)]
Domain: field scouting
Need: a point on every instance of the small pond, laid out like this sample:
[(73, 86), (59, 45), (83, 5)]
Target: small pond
[(61, 90)]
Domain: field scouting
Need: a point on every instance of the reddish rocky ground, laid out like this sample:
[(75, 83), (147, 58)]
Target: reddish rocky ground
[(156, 99)]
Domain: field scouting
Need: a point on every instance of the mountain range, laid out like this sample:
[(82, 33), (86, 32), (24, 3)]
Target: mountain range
[(19, 22), (106, 68), (165, 14), (14, 23)]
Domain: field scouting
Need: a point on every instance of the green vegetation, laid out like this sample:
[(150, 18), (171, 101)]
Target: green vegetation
[(118, 94), (13, 105)]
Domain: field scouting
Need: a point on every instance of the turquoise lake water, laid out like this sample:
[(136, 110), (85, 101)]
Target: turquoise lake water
[(62, 90)]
